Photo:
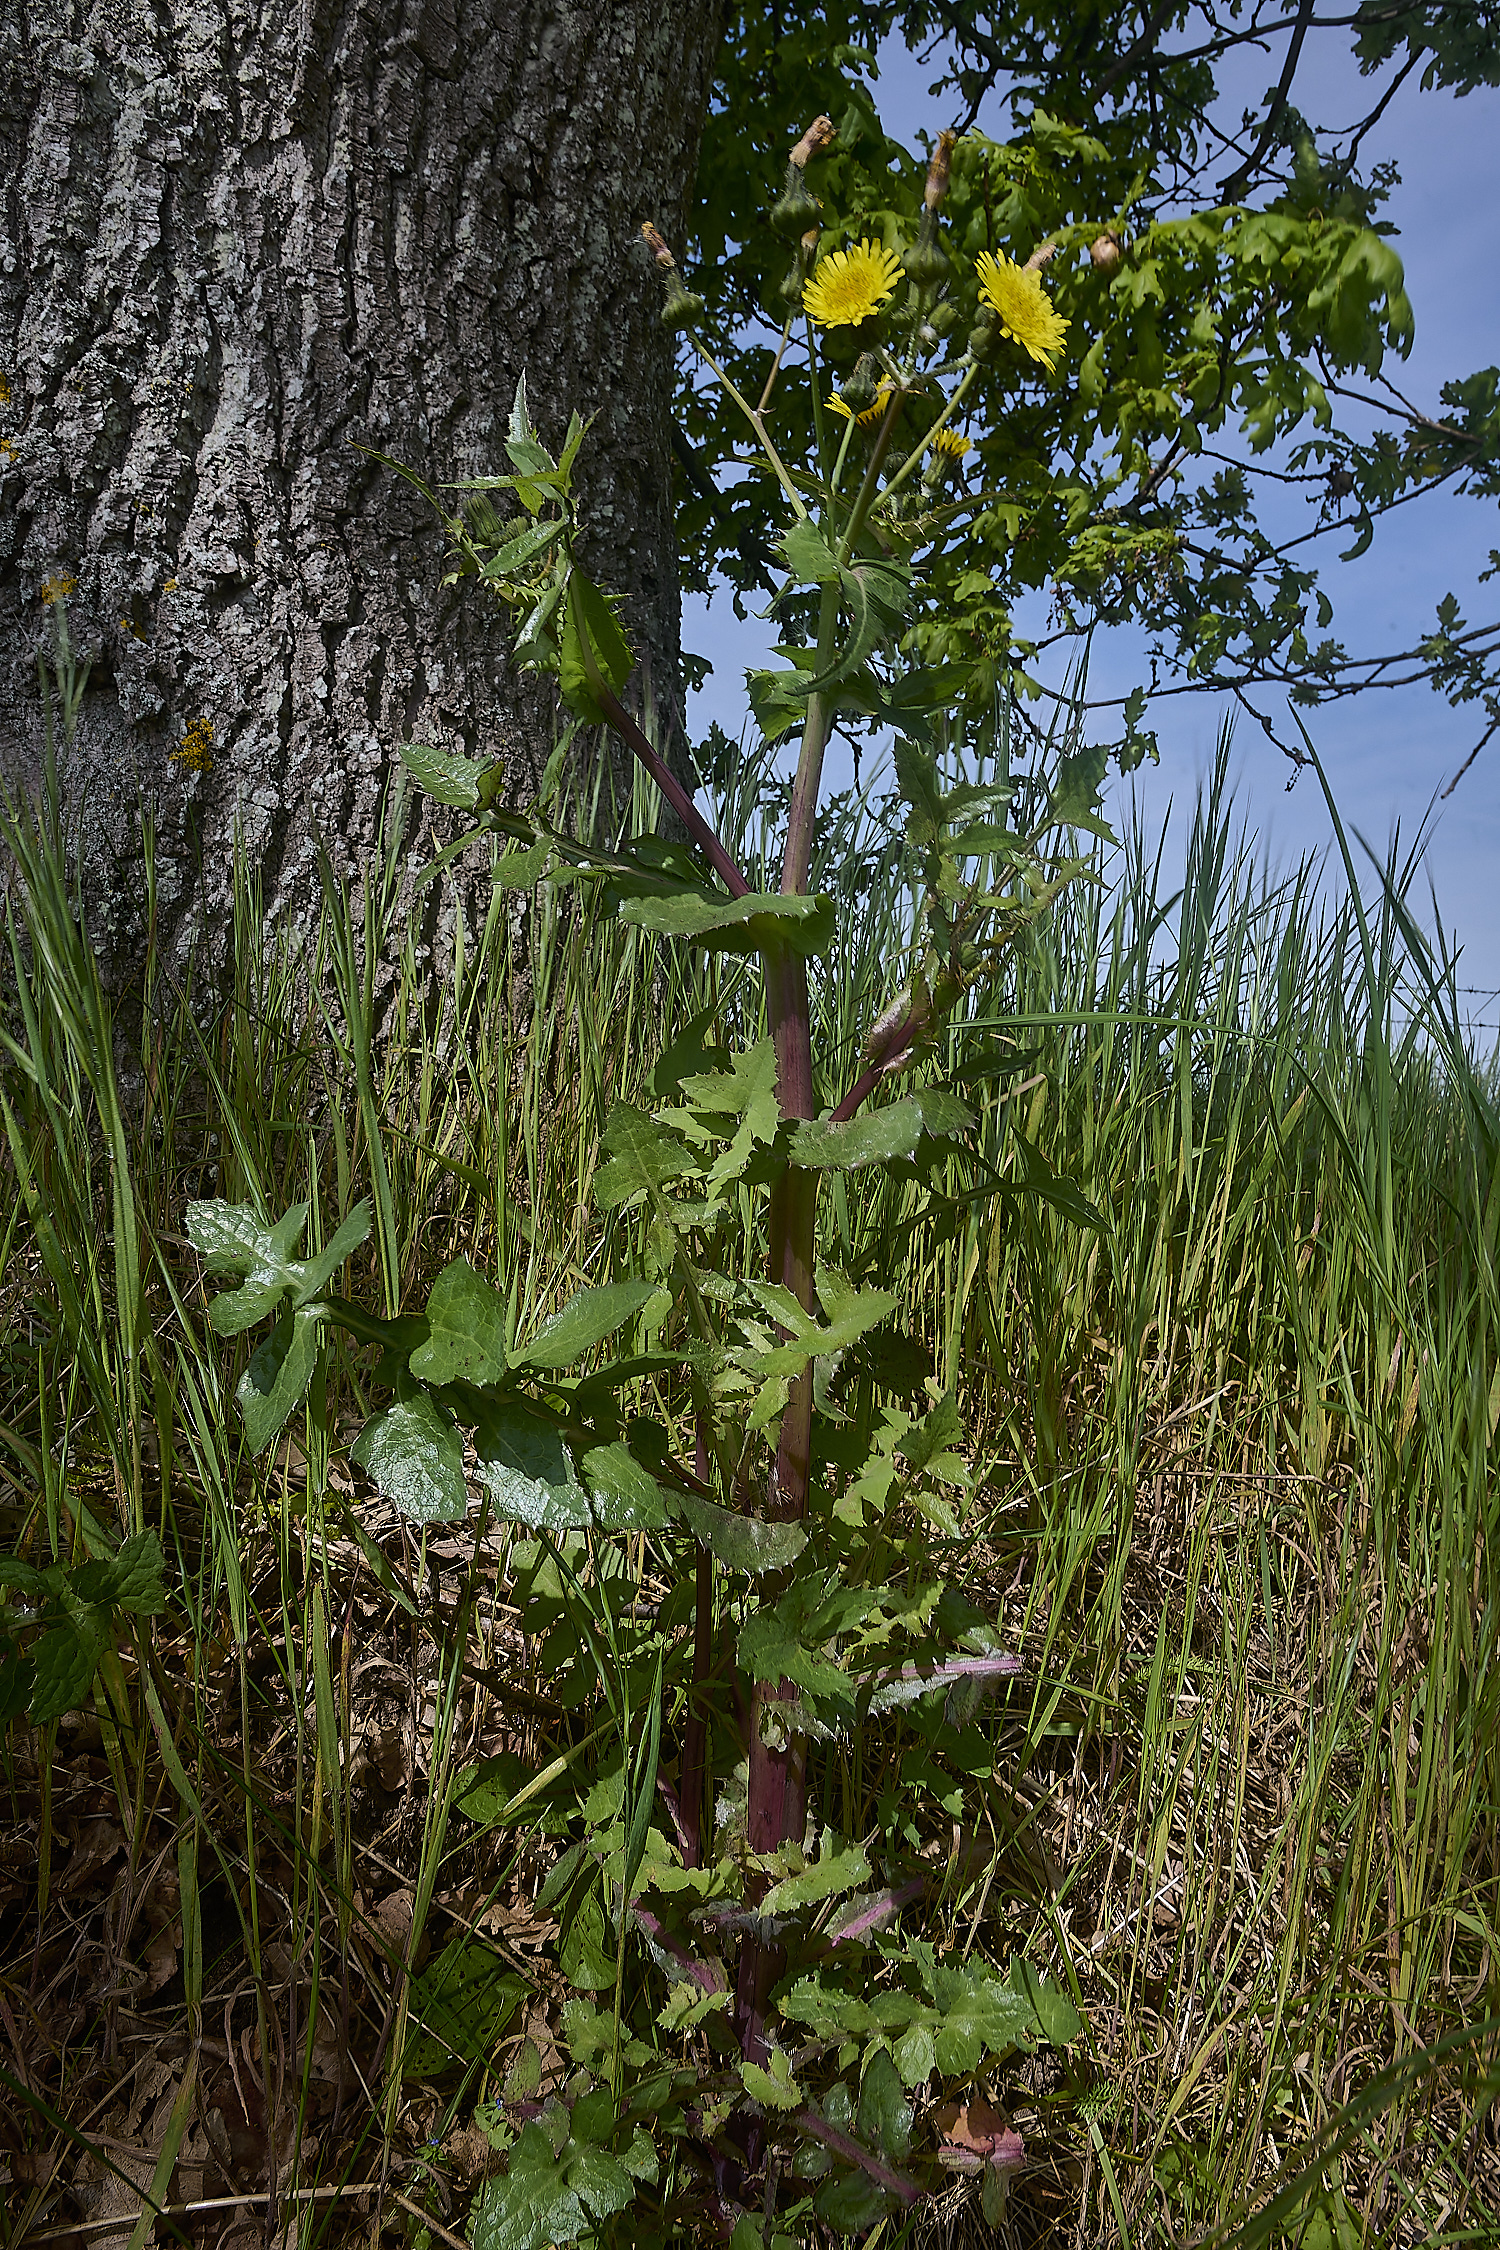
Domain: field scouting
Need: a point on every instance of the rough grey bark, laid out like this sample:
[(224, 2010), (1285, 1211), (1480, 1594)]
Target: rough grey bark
[(238, 239)]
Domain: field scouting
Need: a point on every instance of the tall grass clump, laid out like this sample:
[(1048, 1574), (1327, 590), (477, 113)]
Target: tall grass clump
[(1235, 1501)]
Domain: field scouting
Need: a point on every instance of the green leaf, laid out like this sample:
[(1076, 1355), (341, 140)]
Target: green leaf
[(978, 2016), (17, 1681), (584, 1958), (809, 557), (415, 1456), (884, 2116), (731, 1081), (644, 1156), (917, 779), (775, 2088), (277, 1377), (319, 1271), (532, 2205), (741, 1542), (441, 774), (131, 1578), (602, 2182), (593, 650), (746, 1090), (521, 442), (523, 2081), (850, 2203), (929, 1444), (524, 548), (624, 1496), (585, 1320), (770, 1648), (831, 1873), (1057, 2018), (942, 1114), (1075, 793), (466, 1320), (777, 702), (755, 924), (233, 1238), (524, 1466), (459, 2005), (875, 1138), (876, 595), (1050, 1187), (850, 1312), (65, 1660)]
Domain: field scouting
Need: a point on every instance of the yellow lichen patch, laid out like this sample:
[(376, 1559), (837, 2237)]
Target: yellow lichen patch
[(170, 586), (58, 589), (195, 751)]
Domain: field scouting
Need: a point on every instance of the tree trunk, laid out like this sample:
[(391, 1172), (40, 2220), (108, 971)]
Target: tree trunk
[(237, 244)]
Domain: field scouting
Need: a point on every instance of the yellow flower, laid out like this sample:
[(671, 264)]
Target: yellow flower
[(169, 586), (1015, 296), (850, 285), (57, 589), (196, 749), (874, 412), (950, 445)]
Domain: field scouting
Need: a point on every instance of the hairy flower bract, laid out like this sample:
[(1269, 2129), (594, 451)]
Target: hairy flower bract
[(874, 412), (850, 285), (1016, 297)]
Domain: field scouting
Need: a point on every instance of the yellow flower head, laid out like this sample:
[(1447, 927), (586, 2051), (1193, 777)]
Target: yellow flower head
[(950, 446), (874, 412), (850, 285), (57, 589), (1016, 297)]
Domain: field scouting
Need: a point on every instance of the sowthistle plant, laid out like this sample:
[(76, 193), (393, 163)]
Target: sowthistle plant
[(794, 2013)]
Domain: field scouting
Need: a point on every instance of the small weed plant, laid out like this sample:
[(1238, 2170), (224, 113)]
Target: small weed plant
[(753, 1984)]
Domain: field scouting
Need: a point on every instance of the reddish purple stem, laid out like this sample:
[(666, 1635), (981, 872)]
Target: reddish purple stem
[(671, 788), (819, 2129)]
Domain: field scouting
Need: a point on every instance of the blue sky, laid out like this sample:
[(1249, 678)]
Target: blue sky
[(1388, 754)]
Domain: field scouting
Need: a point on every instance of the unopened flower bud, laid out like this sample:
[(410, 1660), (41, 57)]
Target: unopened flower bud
[(1106, 252), (926, 262), (681, 309), (797, 210), (863, 385), (984, 335), (790, 291), (938, 169)]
